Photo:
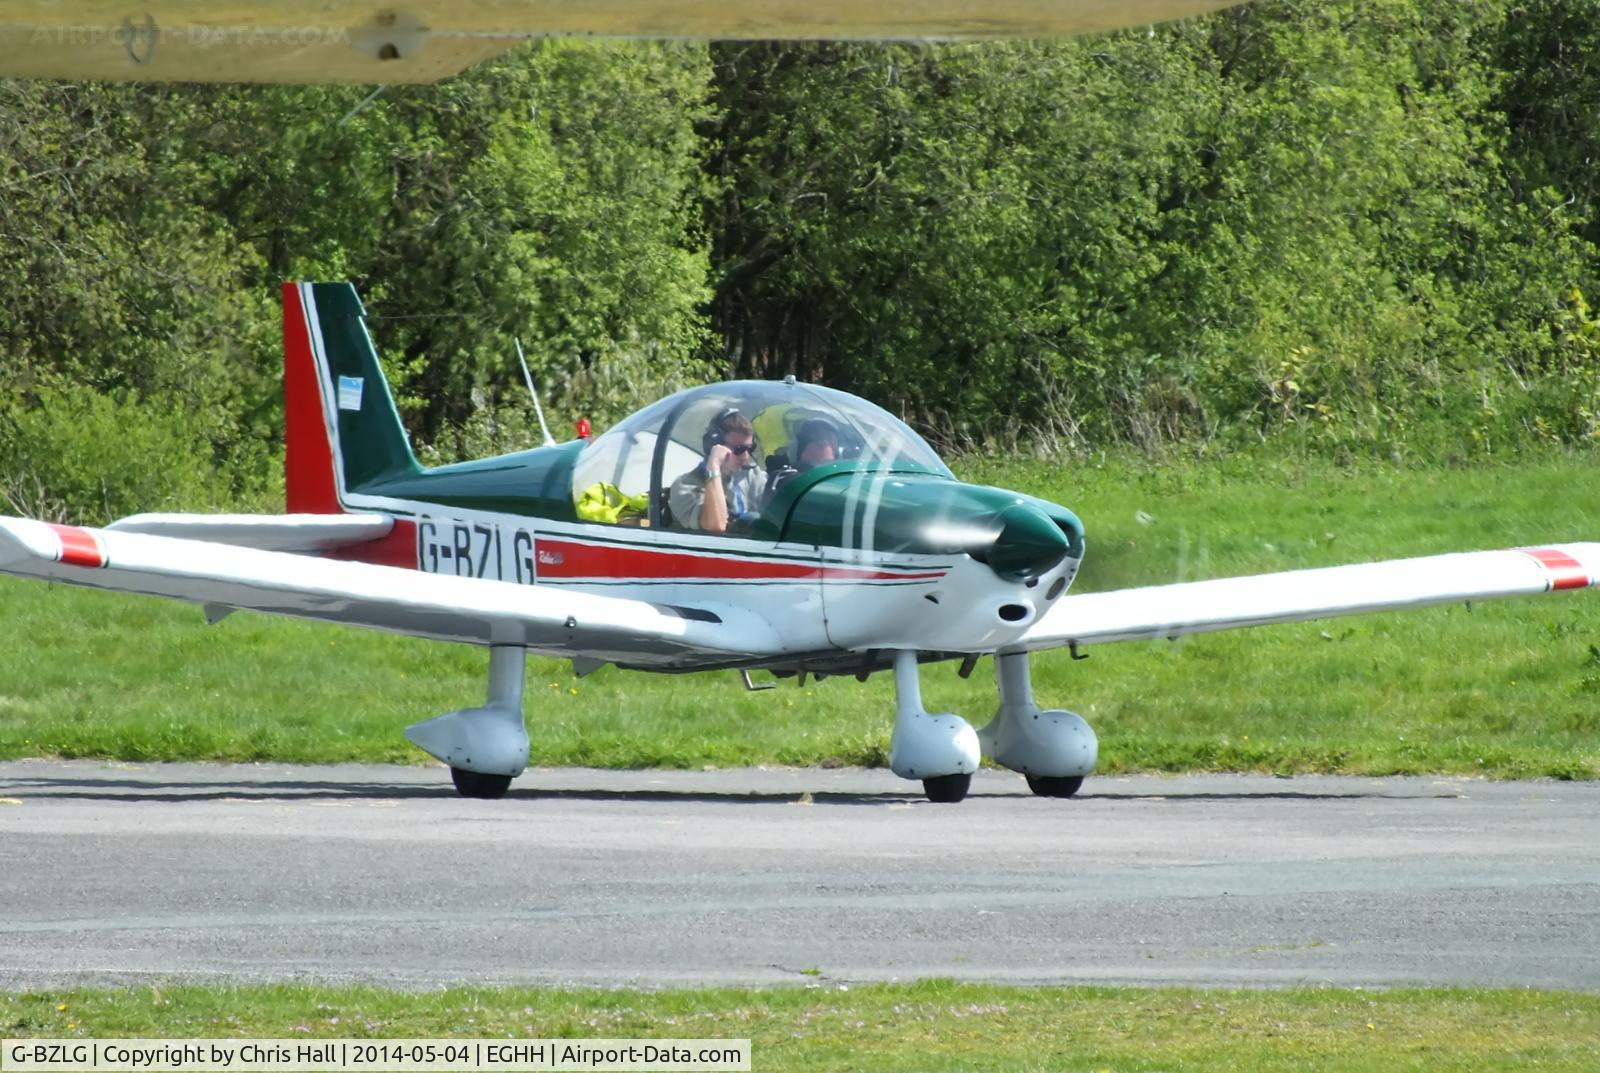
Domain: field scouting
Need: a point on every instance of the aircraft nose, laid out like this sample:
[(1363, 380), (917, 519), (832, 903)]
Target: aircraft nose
[(1028, 544)]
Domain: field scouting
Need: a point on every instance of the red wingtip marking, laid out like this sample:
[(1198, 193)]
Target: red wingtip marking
[(309, 486), (79, 547), (1565, 571)]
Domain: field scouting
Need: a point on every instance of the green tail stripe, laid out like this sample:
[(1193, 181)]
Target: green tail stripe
[(372, 442)]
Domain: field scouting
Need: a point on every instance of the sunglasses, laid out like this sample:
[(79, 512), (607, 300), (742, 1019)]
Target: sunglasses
[(741, 448)]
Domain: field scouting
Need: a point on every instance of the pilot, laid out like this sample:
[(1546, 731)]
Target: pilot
[(723, 493), (816, 442)]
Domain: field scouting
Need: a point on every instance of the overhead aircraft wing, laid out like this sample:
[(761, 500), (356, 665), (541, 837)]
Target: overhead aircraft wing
[(426, 40), (221, 576), (1294, 596)]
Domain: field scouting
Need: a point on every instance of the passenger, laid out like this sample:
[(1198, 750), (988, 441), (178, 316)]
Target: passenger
[(721, 494)]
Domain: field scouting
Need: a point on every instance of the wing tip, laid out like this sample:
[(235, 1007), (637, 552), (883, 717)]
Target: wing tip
[(25, 540)]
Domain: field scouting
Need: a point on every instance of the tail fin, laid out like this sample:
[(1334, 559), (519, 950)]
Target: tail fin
[(341, 429)]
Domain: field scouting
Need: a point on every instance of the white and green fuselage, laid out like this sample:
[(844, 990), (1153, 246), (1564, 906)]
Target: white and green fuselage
[(877, 550)]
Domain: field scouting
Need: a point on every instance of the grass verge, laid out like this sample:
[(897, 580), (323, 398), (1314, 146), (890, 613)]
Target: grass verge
[(928, 1026), (1504, 689)]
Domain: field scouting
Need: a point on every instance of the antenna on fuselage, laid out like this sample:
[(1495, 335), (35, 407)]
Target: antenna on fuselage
[(549, 440)]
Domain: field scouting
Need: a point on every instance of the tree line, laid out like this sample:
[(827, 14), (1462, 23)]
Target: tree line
[(1362, 227)]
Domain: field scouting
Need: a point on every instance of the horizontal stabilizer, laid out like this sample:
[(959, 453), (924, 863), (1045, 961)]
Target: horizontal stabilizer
[(556, 622), (268, 532), (1297, 595)]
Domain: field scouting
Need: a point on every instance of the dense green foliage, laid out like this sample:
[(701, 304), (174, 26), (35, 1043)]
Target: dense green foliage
[(1293, 214), (553, 195), (1360, 228)]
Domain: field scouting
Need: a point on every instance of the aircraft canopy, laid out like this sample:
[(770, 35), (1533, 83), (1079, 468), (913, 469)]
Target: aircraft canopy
[(645, 453)]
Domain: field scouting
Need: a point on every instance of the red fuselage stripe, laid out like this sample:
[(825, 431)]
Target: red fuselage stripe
[(79, 547), (566, 559), (1565, 571), (396, 548)]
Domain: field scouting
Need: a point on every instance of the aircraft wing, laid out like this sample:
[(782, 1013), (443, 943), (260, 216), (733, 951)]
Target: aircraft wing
[(1294, 596), (445, 607), (269, 532), (426, 40)]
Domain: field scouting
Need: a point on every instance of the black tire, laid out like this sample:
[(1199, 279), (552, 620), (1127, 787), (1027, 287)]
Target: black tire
[(477, 784), (947, 789), (1055, 785)]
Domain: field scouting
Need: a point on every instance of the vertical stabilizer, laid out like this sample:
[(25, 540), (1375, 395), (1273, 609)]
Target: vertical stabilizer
[(342, 431)]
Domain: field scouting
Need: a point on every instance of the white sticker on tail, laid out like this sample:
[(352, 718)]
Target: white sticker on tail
[(350, 392)]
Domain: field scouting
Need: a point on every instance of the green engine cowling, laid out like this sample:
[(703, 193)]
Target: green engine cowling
[(906, 511)]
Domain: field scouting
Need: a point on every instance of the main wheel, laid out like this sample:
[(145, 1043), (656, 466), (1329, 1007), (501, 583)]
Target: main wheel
[(947, 789), (477, 784), (1055, 785)]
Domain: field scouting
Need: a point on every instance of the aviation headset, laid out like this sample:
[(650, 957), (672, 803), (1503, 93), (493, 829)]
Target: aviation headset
[(715, 431)]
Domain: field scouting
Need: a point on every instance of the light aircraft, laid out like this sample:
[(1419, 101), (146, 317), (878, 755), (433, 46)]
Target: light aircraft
[(597, 550)]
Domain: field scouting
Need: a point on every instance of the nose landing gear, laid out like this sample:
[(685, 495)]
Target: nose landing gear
[(941, 750)]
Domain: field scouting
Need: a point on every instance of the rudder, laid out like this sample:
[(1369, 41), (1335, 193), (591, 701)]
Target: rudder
[(341, 429)]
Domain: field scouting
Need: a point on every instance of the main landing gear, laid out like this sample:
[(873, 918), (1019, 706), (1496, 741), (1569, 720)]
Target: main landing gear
[(1054, 749), (1055, 785), (485, 747), (477, 784)]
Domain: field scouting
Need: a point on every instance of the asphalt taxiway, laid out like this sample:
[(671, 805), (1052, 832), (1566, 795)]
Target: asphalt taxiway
[(116, 873)]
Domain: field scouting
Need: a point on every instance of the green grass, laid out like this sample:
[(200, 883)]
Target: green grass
[(929, 1026), (1509, 688)]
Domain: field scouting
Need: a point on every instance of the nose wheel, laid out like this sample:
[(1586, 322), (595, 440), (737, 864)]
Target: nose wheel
[(939, 749)]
